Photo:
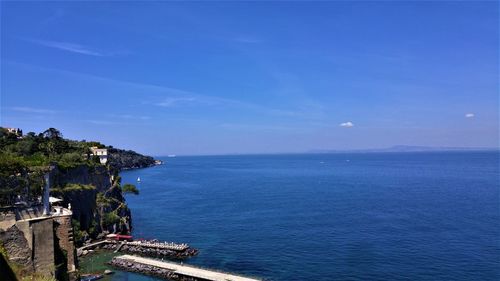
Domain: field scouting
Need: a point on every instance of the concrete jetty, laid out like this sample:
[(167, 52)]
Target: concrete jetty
[(180, 270)]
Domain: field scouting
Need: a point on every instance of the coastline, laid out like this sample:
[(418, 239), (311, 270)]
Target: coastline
[(68, 192), (97, 260)]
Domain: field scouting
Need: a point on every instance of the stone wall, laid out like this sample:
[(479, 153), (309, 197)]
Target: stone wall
[(30, 243), (64, 233), (17, 247), (43, 246)]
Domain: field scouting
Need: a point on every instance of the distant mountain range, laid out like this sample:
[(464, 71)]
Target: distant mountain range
[(407, 148)]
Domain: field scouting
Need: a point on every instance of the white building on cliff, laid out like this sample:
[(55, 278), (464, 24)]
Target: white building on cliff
[(16, 131), (101, 152)]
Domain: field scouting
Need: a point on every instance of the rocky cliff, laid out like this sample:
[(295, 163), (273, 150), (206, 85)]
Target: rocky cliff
[(127, 159), (83, 174), (96, 200), (97, 176)]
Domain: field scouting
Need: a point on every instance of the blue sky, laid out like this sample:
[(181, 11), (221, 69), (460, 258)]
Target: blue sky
[(253, 77)]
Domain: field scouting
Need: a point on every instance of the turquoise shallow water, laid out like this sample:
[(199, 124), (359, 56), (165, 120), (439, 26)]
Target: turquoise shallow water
[(378, 216)]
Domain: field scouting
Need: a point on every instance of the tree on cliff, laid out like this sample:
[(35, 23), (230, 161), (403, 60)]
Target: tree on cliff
[(53, 143), (52, 133), (130, 188), (13, 180)]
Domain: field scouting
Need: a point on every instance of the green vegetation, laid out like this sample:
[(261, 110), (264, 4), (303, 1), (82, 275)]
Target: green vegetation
[(77, 231), (3, 251), (102, 200), (111, 218), (118, 180), (38, 277), (24, 160), (130, 188), (73, 187)]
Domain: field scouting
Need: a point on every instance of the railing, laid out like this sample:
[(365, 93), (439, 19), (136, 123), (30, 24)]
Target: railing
[(158, 245), (164, 245)]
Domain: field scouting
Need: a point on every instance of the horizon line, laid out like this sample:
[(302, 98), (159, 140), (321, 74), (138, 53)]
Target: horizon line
[(333, 151)]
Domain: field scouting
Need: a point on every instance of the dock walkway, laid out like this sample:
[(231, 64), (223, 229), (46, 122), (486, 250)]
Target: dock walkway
[(163, 245), (84, 247), (186, 270), (157, 245)]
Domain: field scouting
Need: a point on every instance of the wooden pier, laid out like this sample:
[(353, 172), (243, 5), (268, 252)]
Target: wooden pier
[(185, 270)]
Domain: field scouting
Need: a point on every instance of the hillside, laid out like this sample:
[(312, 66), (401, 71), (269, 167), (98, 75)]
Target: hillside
[(84, 175), (127, 159), (79, 176)]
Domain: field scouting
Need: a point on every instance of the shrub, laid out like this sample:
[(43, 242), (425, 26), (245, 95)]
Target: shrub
[(70, 159), (130, 188), (77, 187), (110, 218), (77, 232), (101, 200)]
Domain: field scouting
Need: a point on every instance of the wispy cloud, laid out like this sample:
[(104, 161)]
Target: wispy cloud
[(33, 110), (347, 124), (166, 97), (191, 99), (470, 115), (69, 47), (148, 88), (172, 101)]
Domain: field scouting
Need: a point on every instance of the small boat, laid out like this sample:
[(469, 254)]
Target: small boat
[(171, 155), (138, 179)]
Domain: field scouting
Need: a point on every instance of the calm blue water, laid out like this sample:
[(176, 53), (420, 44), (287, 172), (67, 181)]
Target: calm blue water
[(392, 216)]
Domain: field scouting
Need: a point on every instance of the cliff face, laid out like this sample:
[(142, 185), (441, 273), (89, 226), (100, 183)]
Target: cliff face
[(98, 176), (46, 245), (76, 172), (99, 208), (128, 159), (84, 207)]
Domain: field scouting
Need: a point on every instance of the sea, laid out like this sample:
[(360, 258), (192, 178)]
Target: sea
[(343, 216)]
